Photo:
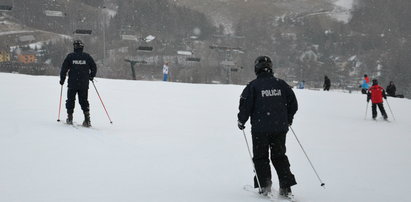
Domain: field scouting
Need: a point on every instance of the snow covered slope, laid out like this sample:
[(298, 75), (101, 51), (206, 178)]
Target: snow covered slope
[(179, 142)]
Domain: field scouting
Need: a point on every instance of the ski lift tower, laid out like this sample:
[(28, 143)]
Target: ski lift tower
[(132, 63), (228, 52), (104, 22), (191, 45), (228, 63)]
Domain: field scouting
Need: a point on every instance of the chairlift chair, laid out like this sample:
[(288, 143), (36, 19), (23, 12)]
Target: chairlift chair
[(234, 69), (82, 26), (227, 63), (193, 59), (26, 38), (127, 33), (145, 48), (82, 32), (53, 13), (187, 53), (132, 63), (128, 37), (6, 7)]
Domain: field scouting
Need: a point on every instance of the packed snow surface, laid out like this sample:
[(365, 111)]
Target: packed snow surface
[(180, 142)]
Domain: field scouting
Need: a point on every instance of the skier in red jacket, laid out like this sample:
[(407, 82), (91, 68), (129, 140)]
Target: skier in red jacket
[(375, 94)]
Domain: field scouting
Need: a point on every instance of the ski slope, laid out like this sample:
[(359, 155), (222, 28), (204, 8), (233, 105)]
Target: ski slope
[(180, 142)]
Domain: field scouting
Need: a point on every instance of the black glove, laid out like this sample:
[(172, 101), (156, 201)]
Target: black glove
[(241, 126), (290, 121), (61, 82), (368, 100), (91, 78)]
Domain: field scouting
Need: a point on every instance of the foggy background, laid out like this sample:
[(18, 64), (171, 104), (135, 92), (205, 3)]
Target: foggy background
[(307, 39)]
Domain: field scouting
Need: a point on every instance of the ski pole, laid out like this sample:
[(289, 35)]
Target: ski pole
[(366, 110), (312, 166), (251, 157), (102, 102), (390, 110), (61, 95)]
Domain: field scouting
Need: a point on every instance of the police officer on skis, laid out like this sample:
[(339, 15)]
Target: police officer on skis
[(271, 104), (81, 68)]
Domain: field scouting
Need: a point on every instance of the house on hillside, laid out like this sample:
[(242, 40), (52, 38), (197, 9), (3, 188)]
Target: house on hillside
[(4, 56), (27, 57)]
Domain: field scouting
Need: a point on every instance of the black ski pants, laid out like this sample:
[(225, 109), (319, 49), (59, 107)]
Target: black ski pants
[(374, 110), (82, 98), (271, 145)]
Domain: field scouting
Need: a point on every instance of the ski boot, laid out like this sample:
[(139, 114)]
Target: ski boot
[(286, 192), (69, 119), (86, 122), (265, 191)]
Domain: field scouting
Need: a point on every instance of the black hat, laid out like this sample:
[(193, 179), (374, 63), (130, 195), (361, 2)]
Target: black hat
[(263, 64), (78, 44), (374, 82)]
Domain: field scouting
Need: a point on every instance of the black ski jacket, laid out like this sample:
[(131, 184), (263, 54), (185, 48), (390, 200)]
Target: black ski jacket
[(270, 102), (327, 82), (391, 90), (80, 67)]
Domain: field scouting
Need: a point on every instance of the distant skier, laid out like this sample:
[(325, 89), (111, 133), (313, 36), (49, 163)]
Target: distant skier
[(391, 90), (365, 84), (81, 68), (165, 72), (301, 85), (271, 104), (327, 83), (375, 94)]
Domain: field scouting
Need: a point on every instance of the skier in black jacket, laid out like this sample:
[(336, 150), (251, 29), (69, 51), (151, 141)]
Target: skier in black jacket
[(391, 89), (271, 104), (81, 68), (327, 83)]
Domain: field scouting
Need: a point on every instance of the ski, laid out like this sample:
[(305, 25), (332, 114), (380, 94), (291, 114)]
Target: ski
[(381, 119), (273, 196), (72, 125), (81, 125), (76, 125)]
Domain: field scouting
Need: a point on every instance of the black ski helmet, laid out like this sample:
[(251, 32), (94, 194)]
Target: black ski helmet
[(374, 82), (78, 44), (263, 64)]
